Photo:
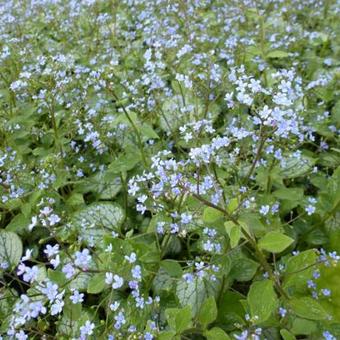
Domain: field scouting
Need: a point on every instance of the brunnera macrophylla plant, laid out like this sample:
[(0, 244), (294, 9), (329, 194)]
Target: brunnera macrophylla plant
[(169, 169)]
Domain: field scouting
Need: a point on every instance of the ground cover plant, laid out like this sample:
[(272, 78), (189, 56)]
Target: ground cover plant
[(169, 169)]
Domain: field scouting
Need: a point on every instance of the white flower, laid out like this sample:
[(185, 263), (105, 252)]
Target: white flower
[(242, 336), (68, 270), (118, 282), (133, 189), (55, 262), (186, 218), (77, 297), (34, 222), (27, 256), (109, 248), (82, 259), (136, 272), (46, 211), (310, 209), (21, 335), (188, 136), (109, 278), (115, 280), (51, 290), (30, 274), (132, 258), (87, 329), (114, 306), (57, 307), (264, 210), (54, 219), (51, 251)]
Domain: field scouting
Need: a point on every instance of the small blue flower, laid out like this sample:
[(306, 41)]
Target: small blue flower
[(328, 336), (326, 292), (310, 209), (148, 336), (282, 312), (264, 210), (136, 272)]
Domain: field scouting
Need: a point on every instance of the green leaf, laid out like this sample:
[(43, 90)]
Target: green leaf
[(172, 267), (299, 269), (96, 284), (303, 326), (81, 281), (262, 300), (167, 335), (308, 308), (96, 220), (211, 215), (70, 323), (336, 113), (317, 237), (26, 209), (72, 310), (193, 293), (234, 233), (10, 248), (296, 167), (232, 205), (208, 312), (75, 200), (216, 333), (289, 194), (230, 310), (243, 269), (179, 319), (253, 223), (162, 282), (265, 174), (150, 257), (125, 162), (148, 132), (286, 335), (56, 276), (277, 54), (105, 185), (7, 301), (330, 278), (223, 262), (18, 223), (275, 242)]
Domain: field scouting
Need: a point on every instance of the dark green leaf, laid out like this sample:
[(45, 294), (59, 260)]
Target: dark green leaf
[(262, 300), (275, 242), (308, 308), (208, 312), (10, 248)]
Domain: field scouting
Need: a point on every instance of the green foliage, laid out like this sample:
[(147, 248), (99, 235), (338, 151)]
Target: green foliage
[(179, 319), (234, 233), (307, 308), (275, 242), (97, 220), (96, 284), (262, 300), (169, 170), (195, 292), (208, 312), (299, 270), (216, 333), (10, 249)]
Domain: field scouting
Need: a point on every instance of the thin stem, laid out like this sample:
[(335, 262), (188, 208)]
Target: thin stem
[(257, 156), (134, 127), (259, 254)]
